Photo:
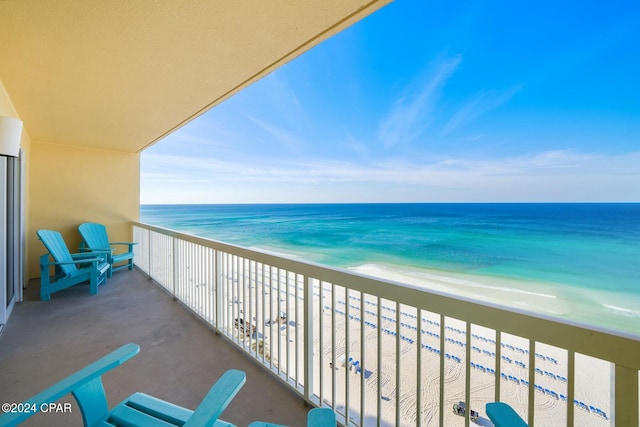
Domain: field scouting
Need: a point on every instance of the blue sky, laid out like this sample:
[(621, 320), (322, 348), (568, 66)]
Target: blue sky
[(428, 102)]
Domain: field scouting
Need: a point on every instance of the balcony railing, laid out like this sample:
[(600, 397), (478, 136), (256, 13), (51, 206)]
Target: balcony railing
[(382, 353)]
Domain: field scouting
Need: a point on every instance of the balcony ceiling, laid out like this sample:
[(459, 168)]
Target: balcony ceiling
[(122, 74)]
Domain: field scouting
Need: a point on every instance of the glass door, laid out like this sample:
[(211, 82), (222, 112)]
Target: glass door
[(11, 255)]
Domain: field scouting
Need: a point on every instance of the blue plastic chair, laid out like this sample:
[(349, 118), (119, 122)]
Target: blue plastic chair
[(503, 415), (138, 409), (69, 269), (96, 239), (317, 417)]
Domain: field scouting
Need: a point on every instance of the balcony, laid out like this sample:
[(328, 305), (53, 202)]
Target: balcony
[(379, 353), (383, 353)]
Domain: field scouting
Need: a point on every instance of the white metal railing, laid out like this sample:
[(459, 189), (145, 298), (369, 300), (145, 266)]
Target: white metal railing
[(382, 353)]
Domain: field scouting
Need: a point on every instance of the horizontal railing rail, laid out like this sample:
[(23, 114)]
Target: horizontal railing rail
[(385, 353)]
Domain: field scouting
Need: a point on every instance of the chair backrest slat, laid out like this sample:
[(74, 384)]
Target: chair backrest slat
[(94, 235), (53, 241)]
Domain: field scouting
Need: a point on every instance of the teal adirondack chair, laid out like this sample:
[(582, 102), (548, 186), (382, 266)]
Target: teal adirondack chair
[(317, 417), (503, 415), (70, 269), (96, 239), (139, 409)]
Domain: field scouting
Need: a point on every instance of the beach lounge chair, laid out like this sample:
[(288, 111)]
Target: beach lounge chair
[(69, 269), (503, 415), (96, 239), (317, 417), (138, 409)]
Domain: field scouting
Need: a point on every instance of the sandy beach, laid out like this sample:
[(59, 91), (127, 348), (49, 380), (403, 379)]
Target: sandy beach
[(358, 342), (551, 370)]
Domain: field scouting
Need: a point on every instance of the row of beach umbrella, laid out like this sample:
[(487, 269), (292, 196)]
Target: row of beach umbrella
[(520, 381)]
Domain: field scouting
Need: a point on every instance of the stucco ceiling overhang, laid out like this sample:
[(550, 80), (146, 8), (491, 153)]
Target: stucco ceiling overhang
[(122, 74)]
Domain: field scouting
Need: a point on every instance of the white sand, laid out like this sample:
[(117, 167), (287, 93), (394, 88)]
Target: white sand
[(551, 362), (550, 409), (283, 337)]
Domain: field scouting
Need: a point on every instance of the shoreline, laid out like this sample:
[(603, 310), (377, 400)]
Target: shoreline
[(612, 311)]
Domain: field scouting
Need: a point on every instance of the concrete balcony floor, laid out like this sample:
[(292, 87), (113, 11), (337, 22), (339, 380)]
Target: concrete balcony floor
[(180, 356)]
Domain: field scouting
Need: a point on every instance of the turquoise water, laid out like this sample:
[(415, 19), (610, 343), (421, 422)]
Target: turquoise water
[(585, 256)]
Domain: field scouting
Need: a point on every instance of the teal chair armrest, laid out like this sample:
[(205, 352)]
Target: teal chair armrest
[(86, 386), (264, 424), (317, 417), (217, 399), (77, 261), (84, 249), (92, 253), (503, 415)]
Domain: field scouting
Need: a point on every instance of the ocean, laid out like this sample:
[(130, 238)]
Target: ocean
[(577, 261)]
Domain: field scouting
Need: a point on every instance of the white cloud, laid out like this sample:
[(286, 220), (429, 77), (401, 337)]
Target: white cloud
[(285, 137), (285, 101), (404, 120), (545, 176), (481, 103)]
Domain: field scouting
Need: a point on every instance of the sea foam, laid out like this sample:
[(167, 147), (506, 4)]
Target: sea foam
[(622, 311), (427, 280)]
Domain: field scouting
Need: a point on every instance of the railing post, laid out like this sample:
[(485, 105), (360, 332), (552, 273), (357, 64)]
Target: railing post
[(467, 373), (398, 359), (571, 386), (136, 248), (418, 371), (218, 290), (149, 254), (532, 385), (442, 370), (626, 395), (308, 339), (216, 297), (174, 254)]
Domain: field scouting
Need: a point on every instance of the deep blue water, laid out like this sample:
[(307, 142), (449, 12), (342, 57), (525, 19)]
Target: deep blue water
[(590, 246)]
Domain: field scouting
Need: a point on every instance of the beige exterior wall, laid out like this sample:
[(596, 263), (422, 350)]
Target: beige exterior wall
[(65, 186), (71, 185)]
